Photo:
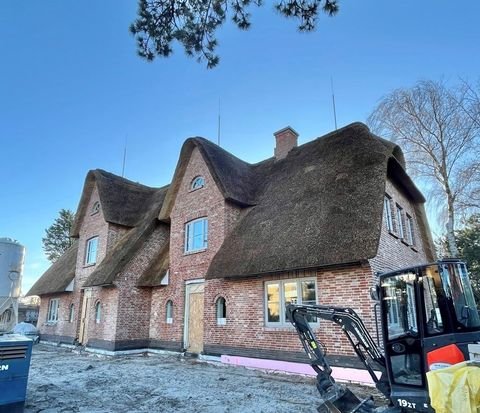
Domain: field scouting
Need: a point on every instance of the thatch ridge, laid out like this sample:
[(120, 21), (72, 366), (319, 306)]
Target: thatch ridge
[(320, 206), (123, 202), (234, 178), (60, 274)]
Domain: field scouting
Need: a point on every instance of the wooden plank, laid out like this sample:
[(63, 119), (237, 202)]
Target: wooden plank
[(82, 336), (195, 323)]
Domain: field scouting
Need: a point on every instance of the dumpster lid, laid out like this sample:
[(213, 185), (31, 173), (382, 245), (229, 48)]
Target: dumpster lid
[(13, 338)]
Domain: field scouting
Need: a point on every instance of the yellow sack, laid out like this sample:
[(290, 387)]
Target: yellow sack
[(455, 389)]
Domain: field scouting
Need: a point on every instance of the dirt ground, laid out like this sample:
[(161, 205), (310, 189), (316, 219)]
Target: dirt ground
[(62, 380)]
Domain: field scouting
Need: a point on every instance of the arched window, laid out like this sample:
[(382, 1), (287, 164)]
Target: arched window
[(221, 307), (197, 183), (71, 313), (95, 207), (169, 312), (98, 312)]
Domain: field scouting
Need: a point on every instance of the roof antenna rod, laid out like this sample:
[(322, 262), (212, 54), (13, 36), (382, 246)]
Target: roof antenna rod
[(218, 127), (333, 102), (124, 157)]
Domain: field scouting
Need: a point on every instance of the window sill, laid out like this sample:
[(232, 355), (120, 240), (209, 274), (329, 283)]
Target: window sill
[(89, 265), (283, 327), (51, 323), (413, 248), (405, 242), (194, 252), (393, 234), (196, 189)]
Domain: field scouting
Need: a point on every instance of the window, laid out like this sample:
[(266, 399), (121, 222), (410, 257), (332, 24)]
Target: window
[(196, 235), (221, 307), (91, 251), (401, 231), (197, 183), (399, 297), (98, 312), (52, 313), (387, 212), (95, 208), (280, 293), (6, 316), (71, 313), (169, 312), (410, 230)]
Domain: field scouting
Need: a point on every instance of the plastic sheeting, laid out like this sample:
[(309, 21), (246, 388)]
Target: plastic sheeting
[(25, 328), (455, 389)]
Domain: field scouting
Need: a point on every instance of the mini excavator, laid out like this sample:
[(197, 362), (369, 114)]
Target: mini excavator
[(429, 320)]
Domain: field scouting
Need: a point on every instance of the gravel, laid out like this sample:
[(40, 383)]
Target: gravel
[(65, 380)]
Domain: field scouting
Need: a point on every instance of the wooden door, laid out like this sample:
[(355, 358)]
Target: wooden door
[(194, 325), (82, 335)]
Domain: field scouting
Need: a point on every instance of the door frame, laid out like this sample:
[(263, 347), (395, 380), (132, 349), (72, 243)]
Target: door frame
[(189, 285)]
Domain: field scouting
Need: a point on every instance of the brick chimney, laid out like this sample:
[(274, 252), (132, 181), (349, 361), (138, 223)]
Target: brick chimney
[(286, 140)]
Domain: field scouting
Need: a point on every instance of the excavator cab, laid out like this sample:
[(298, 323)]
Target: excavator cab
[(430, 319)]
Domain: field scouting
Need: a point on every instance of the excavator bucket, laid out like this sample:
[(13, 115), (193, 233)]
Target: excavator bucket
[(342, 400)]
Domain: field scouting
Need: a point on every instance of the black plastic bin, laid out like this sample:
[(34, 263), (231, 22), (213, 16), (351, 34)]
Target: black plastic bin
[(15, 356)]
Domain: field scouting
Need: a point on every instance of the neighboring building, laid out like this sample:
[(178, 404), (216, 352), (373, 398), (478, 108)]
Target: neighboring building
[(207, 264)]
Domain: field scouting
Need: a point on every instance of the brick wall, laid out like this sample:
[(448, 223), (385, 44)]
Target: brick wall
[(393, 252), (134, 304), (108, 234), (246, 327), (63, 330), (189, 205)]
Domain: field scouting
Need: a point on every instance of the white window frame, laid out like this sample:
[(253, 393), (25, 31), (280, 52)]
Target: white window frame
[(283, 322), (169, 312), (387, 211), (90, 251), (52, 312), (410, 229), (95, 208), (190, 235), (71, 313), (197, 183), (400, 228), (221, 321), (98, 312)]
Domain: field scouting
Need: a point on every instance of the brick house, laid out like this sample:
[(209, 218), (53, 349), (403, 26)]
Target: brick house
[(207, 263)]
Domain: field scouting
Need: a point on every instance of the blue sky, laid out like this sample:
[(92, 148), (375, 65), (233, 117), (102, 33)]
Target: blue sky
[(72, 91)]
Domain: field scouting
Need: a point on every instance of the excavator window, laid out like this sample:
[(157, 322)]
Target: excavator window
[(403, 340), (432, 289), (399, 298), (458, 291)]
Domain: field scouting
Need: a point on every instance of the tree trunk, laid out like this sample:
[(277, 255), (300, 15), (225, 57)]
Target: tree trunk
[(451, 241)]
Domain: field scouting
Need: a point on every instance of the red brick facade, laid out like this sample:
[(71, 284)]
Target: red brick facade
[(135, 317)]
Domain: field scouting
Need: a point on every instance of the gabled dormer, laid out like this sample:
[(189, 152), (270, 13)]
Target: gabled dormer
[(209, 189), (109, 207)]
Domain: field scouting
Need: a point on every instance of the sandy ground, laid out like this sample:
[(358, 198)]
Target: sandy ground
[(62, 380)]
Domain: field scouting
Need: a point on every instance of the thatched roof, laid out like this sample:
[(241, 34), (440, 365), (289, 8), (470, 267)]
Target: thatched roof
[(126, 248), (322, 205), (234, 177), (123, 202), (57, 278), (156, 271)]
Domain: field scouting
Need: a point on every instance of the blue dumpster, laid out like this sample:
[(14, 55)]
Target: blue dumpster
[(15, 355)]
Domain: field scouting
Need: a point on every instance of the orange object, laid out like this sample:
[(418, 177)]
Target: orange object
[(444, 357)]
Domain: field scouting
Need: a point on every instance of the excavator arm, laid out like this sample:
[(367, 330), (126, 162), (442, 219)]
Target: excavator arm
[(338, 398)]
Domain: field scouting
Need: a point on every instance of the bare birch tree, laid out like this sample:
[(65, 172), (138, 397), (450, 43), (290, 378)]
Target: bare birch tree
[(438, 127)]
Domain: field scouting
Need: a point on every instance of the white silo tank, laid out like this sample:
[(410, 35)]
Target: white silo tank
[(12, 255)]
